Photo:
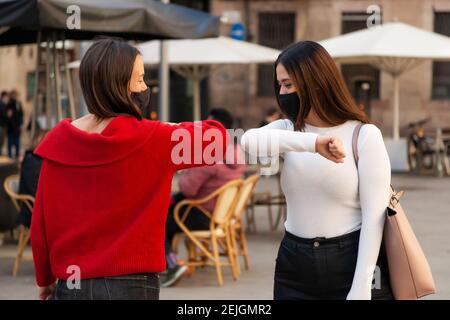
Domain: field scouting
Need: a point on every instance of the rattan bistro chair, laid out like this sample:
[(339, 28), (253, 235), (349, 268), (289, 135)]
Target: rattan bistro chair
[(267, 199), (11, 186), (240, 246), (204, 246)]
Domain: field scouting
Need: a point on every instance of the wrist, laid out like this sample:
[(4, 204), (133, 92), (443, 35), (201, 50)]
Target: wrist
[(315, 145)]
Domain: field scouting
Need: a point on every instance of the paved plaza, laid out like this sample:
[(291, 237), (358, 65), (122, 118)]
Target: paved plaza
[(426, 201)]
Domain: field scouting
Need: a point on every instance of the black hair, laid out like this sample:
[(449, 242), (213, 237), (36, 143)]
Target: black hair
[(105, 72), (223, 116)]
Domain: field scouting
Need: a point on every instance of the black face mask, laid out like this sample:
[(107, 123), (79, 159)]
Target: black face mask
[(290, 105), (142, 99)]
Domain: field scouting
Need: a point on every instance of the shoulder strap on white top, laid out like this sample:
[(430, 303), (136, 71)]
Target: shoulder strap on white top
[(355, 142)]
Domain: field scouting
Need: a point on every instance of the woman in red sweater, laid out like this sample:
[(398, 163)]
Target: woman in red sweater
[(99, 217)]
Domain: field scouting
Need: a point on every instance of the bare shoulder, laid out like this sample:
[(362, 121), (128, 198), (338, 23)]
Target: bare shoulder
[(90, 124), (82, 120)]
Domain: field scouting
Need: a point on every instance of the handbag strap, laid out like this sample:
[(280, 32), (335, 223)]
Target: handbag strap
[(356, 156), (355, 143)]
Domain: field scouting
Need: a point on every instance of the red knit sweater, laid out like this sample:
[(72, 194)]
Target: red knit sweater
[(102, 199)]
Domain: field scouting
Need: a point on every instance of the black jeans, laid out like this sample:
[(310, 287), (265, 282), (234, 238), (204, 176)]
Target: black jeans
[(128, 287), (323, 269), (13, 141)]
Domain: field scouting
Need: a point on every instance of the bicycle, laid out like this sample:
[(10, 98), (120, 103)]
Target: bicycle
[(421, 148)]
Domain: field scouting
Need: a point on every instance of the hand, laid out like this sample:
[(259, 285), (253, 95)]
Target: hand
[(46, 292), (330, 148)]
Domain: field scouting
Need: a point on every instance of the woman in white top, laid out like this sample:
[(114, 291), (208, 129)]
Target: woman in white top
[(335, 211)]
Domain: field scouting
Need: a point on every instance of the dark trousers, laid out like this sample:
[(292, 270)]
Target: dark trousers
[(128, 287), (13, 141), (323, 269), (196, 220), (2, 138)]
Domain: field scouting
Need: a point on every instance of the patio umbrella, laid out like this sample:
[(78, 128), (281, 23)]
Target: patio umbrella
[(21, 20), (191, 58), (393, 47), (28, 21)]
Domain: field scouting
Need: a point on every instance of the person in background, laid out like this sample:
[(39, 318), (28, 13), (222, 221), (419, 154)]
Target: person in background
[(4, 101), (14, 121), (272, 115), (29, 177), (197, 183)]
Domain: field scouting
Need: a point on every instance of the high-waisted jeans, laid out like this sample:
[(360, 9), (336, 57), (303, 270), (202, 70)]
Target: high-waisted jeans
[(320, 268)]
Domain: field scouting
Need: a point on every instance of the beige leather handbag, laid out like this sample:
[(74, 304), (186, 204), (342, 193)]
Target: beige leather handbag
[(409, 272)]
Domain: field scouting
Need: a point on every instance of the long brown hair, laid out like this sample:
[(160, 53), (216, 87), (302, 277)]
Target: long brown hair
[(105, 73), (319, 85)]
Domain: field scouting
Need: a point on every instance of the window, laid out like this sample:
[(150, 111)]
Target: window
[(275, 30), (19, 50), (31, 83), (363, 80), (441, 69)]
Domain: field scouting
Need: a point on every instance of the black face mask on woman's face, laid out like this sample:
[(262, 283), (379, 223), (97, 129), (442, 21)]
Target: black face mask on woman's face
[(290, 105), (142, 99)]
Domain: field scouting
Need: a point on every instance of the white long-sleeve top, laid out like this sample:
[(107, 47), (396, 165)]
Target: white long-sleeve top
[(326, 199)]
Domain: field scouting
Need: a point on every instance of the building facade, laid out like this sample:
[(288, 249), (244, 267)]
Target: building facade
[(247, 91), (425, 90)]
